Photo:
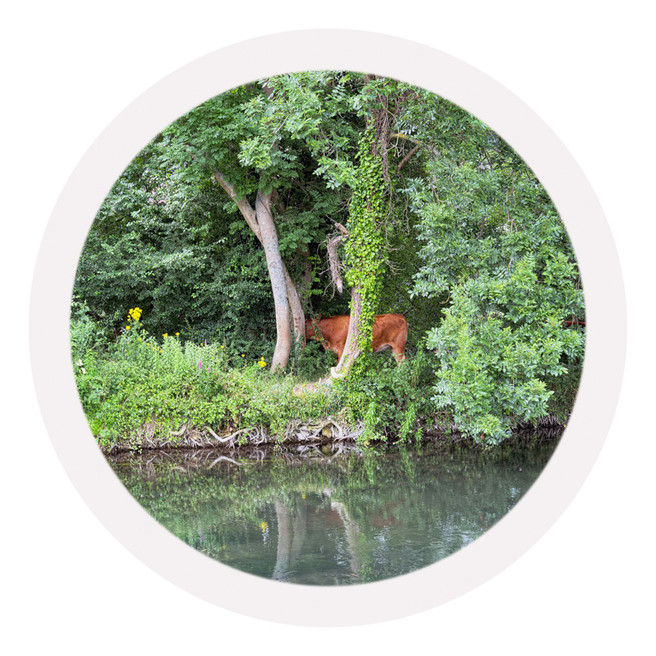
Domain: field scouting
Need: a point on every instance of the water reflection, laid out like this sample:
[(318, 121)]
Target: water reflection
[(327, 519)]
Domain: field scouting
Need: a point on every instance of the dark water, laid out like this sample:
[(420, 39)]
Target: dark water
[(326, 519)]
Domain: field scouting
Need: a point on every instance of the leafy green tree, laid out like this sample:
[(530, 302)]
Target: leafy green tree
[(495, 250), (169, 247), (262, 143)]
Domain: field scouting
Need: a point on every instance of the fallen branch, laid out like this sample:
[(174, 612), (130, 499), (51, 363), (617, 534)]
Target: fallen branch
[(227, 438), (181, 431)]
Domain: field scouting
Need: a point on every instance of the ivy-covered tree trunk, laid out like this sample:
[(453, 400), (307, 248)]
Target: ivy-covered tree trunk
[(365, 258)]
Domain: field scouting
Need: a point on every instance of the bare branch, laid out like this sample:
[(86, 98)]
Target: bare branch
[(406, 159), (333, 257)]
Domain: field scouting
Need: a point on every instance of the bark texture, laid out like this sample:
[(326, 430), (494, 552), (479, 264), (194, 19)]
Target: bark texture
[(278, 280), (352, 348), (260, 221)]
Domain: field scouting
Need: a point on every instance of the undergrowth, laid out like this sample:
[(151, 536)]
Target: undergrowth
[(166, 383), (141, 385)]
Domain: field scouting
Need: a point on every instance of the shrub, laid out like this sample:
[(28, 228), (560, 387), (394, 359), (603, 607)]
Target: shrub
[(392, 401)]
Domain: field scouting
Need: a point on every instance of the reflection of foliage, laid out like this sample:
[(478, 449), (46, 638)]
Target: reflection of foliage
[(372, 506)]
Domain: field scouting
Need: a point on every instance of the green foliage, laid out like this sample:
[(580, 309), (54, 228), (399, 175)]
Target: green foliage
[(390, 401), (313, 362), (145, 388), (461, 238), (167, 245), (151, 386), (86, 333), (495, 247)]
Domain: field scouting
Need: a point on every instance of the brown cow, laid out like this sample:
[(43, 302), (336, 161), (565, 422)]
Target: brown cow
[(390, 331)]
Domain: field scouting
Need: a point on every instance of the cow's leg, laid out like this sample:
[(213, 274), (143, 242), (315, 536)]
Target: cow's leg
[(399, 354)]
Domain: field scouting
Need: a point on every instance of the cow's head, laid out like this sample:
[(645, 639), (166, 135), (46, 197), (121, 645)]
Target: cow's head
[(312, 327)]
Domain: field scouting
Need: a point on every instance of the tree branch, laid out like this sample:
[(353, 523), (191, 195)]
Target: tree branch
[(406, 159), (333, 260), (242, 203)]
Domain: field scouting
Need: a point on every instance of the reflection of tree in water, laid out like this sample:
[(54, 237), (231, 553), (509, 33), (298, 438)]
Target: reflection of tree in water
[(292, 532), (291, 535), (332, 519)]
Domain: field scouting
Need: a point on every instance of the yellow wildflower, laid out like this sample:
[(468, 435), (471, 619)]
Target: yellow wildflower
[(165, 335), (135, 313)]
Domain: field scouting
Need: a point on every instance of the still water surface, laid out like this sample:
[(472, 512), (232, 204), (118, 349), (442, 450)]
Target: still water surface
[(326, 519)]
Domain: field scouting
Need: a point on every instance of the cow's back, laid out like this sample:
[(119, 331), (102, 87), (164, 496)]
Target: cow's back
[(335, 329), (389, 331)]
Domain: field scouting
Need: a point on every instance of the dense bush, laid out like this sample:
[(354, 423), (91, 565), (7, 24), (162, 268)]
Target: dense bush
[(164, 383), (495, 249), (391, 401)]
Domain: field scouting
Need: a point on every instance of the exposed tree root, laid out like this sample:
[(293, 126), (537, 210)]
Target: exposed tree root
[(304, 435)]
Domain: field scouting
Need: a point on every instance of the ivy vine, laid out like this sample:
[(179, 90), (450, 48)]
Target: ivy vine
[(364, 250)]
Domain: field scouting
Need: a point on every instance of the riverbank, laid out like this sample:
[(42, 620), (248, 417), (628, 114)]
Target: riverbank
[(139, 394), (327, 435)]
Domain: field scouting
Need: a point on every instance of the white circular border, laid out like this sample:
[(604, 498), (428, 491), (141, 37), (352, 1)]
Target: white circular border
[(217, 73)]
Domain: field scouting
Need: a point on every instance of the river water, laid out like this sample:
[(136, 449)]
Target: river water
[(320, 518)]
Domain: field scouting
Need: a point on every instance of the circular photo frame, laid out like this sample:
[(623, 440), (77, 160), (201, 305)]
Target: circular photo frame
[(532, 140)]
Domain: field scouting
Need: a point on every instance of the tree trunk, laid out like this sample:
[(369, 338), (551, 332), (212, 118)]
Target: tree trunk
[(352, 534), (352, 347), (294, 305), (284, 541), (366, 196), (278, 280)]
